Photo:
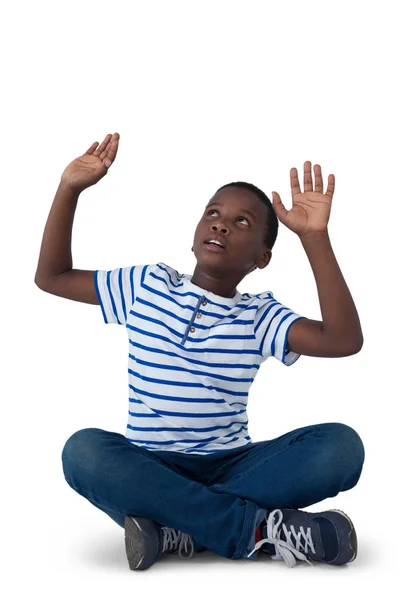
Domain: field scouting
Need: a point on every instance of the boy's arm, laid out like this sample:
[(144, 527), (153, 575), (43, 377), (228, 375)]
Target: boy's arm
[(339, 333), (54, 273)]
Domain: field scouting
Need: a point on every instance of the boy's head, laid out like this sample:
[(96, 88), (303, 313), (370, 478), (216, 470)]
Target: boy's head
[(248, 238)]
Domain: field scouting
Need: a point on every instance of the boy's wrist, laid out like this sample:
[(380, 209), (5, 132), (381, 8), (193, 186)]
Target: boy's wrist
[(65, 188)]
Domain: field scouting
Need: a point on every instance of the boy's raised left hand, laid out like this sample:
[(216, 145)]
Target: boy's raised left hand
[(311, 208)]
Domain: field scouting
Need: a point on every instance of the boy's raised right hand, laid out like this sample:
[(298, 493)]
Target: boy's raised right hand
[(88, 169)]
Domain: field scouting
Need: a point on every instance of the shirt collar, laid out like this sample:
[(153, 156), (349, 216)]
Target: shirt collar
[(213, 297)]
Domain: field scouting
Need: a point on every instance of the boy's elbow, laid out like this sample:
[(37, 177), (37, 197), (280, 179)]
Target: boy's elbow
[(356, 349), (41, 285)]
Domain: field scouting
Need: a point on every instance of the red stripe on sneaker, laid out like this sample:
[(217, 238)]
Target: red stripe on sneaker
[(258, 534)]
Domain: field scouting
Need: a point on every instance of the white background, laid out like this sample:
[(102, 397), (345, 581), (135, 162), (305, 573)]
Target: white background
[(202, 94)]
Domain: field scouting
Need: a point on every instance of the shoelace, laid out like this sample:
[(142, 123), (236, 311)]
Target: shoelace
[(177, 540), (286, 550)]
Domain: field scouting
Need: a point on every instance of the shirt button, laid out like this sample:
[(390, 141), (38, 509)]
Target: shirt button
[(204, 302), (198, 316), (192, 330)]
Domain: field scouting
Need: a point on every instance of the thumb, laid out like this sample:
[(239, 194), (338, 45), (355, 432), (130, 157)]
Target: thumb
[(278, 207)]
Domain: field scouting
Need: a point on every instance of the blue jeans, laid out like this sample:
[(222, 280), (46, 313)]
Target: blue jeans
[(216, 498)]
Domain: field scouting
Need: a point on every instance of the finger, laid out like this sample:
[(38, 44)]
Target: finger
[(106, 148), (331, 185), (294, 182), (308, 185), (113, 148), (278, 206), (318, 179), (102, 145), (92, 148)]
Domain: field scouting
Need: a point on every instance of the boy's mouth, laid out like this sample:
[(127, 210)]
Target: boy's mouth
[(215, 241), (213, 247)]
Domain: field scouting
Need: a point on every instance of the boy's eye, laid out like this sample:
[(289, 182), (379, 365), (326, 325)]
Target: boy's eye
[(214, 210)]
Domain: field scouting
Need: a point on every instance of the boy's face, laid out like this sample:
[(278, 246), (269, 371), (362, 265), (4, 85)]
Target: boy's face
[(241, 233)]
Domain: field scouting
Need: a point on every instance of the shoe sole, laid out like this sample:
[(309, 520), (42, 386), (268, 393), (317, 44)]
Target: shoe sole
[(140, 550), (352, 535)]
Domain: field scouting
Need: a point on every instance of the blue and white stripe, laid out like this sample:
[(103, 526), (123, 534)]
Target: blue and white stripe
[(193, 355)]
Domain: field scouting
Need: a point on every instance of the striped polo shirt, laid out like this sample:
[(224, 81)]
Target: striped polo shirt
[(193, 355)]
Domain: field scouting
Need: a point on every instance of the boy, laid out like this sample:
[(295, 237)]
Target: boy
[(187, 476)]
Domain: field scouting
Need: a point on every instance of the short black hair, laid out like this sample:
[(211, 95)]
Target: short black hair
[(272, 220)]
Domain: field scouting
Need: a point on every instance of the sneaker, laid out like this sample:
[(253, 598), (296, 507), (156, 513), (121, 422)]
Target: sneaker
[(146, 541), (327, 536)]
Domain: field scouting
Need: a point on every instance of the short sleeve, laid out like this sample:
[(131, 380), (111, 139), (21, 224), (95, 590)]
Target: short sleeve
[(116, 290), (271, 328)]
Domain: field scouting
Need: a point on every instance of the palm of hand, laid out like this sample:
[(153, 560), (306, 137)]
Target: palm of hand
[(310, 212), (311, 208), (87, 169), (84, 170)]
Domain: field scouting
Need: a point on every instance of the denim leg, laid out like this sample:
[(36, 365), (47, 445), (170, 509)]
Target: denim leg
[(122, 478), (297, 469)]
